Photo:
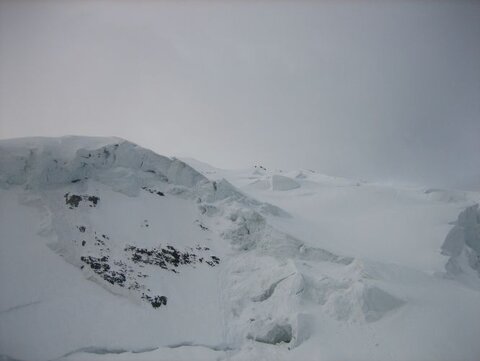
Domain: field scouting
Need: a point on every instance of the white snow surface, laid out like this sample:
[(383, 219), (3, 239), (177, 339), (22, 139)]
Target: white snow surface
[(109, 251)]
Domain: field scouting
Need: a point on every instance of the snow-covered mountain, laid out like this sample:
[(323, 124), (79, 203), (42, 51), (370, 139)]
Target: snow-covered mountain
[(109, 251)]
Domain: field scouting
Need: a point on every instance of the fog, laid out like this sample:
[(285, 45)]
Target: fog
[(379, 90)]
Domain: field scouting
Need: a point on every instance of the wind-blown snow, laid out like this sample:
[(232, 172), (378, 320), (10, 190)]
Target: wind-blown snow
[(110, 251)]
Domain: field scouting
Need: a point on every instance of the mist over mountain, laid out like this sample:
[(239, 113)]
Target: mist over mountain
[(240, 180), (384, 91)]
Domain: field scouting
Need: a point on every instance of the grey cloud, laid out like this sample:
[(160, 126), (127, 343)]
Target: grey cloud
[(378, 90)]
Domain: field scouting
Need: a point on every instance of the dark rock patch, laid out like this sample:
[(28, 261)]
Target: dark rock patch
[(154, 191), (156, 301), (131, 269), (169, 258), (100, 266), (73, 200), (93, 199)]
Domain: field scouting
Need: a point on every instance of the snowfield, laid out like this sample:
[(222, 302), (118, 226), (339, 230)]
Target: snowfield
[(109, 251)]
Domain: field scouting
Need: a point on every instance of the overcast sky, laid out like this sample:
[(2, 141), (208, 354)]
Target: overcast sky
[(382, 90)]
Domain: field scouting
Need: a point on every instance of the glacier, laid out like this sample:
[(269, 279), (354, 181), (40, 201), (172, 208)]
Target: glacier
[(109, 251)]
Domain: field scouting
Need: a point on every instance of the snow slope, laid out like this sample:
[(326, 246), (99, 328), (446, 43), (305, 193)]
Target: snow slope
[(109, 251)]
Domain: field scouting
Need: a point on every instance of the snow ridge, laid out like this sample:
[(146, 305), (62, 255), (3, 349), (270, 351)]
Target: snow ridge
[(46, 163)]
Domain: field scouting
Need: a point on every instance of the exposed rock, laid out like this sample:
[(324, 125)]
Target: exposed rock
[(73, 200)]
